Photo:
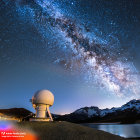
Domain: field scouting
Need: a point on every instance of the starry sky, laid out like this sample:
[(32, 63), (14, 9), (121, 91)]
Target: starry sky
[(86, 52)]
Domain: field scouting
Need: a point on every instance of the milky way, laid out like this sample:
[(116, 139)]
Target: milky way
[(98, 60)]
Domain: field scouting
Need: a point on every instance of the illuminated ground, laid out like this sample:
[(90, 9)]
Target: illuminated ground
[(66, 131)]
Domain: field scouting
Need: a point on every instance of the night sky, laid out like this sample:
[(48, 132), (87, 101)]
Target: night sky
[(86, 52)]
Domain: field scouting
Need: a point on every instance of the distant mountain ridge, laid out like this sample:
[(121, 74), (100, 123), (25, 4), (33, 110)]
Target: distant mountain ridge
[(127, 113), (95, 111), (18, 113)]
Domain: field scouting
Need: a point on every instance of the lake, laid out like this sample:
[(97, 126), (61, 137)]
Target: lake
[(123, 130)]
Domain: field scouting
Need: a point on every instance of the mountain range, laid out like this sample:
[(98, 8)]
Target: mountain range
[(127, 113)]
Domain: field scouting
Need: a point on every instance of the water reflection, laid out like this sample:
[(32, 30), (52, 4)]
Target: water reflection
[(124, 130)]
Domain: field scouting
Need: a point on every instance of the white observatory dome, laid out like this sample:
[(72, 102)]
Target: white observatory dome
[(43, 97)]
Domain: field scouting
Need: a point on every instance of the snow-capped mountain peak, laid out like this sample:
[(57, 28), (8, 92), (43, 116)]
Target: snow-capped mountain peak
[(89, 111)]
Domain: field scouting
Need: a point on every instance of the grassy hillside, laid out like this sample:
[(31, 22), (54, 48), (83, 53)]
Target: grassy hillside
[(66, 131)]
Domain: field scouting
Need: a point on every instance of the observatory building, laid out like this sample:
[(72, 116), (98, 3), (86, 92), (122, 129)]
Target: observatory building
[(41, 102)]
